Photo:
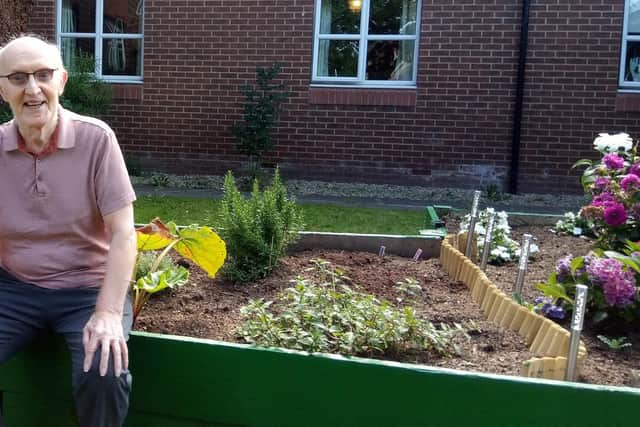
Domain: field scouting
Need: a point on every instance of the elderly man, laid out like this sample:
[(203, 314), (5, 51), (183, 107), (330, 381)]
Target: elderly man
[(67, 240)]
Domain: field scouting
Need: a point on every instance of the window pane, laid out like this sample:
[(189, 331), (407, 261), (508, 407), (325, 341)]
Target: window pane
[(121, 57), (338, 58), (78, 54), (634, 17), (123, 16), (390, 60), (632, 63), (339, 17), (78, 16), (393, 17)]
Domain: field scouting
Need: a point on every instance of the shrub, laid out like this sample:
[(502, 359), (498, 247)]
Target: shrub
[(502, 247), (331, 317), (257, 230), (261, 109)]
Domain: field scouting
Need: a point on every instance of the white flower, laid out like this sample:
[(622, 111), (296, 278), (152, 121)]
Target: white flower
[(577, 231), (606, 143)]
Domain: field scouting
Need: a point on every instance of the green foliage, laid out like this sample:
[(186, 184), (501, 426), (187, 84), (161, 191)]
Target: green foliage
[(409, 289), (332, 317), (262, 106), (615, 344), (5, 112), (494, 193), (83, 93), (257, 230), (154, 271)]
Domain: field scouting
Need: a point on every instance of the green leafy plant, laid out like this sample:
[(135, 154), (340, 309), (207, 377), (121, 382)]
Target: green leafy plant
[(257, 229), (261, 109), (615, 344), (409, 289), (494, 193), (154, 270), (332, 317), (84, 93)]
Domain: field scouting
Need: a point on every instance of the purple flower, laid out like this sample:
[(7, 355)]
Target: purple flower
[(602, 200), (635, 169), (619, 285), (546, 307), (613, 161), (630, 182), (601, 183), (563, 269), (615, 214)]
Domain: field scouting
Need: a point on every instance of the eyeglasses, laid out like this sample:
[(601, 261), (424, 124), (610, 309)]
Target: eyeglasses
[(21, 78)]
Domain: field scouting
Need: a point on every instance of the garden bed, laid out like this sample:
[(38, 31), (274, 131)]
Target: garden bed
[(210, 309)]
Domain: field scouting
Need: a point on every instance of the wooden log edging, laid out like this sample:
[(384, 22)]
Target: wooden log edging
[(545, 338)]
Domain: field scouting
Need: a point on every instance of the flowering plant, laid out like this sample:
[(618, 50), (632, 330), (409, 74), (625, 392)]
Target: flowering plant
[(611, 278), (573, 225), (613, 183), (502, 247)]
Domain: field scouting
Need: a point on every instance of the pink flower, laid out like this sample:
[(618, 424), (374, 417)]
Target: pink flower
[(613, 161), (635, 169), (615, 214), (630, 182), (618, 284), (601, 182), (603, 200)]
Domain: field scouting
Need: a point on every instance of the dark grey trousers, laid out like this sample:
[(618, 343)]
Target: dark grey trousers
[(27, 311)]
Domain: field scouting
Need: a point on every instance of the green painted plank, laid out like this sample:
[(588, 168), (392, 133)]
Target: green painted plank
[(186, 380)]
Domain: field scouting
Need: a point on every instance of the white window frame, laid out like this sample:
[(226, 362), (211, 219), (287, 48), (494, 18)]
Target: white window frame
[(626, 38), (99, 36), (363, 39)]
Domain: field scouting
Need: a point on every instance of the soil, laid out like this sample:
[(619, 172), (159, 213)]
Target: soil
[(209, 308)]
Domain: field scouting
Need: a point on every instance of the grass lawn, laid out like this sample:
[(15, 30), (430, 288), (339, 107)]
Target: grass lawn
[(317, 217)]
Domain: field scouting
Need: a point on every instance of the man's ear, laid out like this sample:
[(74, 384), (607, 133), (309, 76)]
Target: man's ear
[(63, 81)]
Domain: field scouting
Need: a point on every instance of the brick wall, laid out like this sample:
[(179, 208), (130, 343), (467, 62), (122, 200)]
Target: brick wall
[(13, 18), (455, 129)]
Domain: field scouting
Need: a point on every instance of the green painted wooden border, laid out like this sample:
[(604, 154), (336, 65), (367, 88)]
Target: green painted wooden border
[(187, 382)]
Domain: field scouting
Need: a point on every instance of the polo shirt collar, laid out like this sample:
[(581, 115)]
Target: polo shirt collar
[(66, 135)]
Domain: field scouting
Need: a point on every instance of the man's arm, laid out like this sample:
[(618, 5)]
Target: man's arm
[(104, 328)]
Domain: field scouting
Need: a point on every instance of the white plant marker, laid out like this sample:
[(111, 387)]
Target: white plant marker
[(522, 267), (576, 328), (487, 241), (381, 251), (417, 255), (472, 222)]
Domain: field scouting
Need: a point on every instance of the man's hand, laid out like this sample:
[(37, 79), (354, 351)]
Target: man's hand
[(104, 331)]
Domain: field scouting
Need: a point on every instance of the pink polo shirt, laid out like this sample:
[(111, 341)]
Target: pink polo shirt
[(52, 232)]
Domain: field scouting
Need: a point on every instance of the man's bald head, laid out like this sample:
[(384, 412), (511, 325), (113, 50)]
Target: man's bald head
[(13, 52)]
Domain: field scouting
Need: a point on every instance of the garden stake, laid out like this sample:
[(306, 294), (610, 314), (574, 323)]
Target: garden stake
[(417, 255), (381, 251), (576, 328), (487, 241), (522, 268), (472, 222)]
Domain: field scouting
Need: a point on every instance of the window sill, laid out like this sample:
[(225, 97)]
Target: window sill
[(627, 101), (362, 96), (126, 91)]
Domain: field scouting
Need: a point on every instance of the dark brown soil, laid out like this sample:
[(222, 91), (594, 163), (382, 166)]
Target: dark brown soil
[(210, 308)]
